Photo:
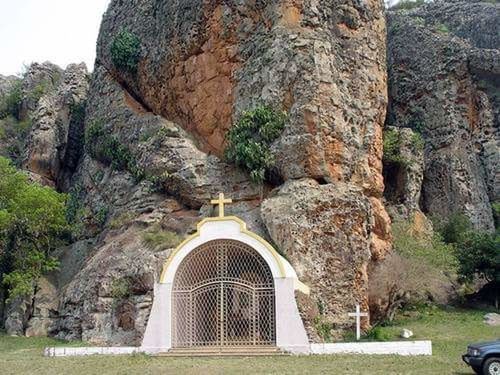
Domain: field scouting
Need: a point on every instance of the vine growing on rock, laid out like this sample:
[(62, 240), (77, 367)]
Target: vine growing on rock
[(108, 149), (249, 140)]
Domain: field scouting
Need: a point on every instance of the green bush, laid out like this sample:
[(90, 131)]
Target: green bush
[(75, 211), (323, 328), (101, 215), (39, 90), (106, 148), (407, 4), (32, 226), (478, 254), (442, 28), (428, 248), (74, 203), (419, 271), (418, 141), (77, 112), (454, 228), (126, 51), (392, 145), (159, 239), (120, 289), (10, 103), (122, 219), (377, 333), (249, 140), (495, 206), (14, 132)]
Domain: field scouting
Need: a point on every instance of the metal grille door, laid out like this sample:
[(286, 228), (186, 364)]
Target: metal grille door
[(223, 295)]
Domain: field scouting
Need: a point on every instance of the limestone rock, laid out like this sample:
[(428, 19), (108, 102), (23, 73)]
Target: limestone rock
[(492, 319), (322, 62), (202, 64), (55, 142), (38, 80), (17, 313), (405, 333), (95, 308), (443, 62), (324, 231), (403, 180), (45, 305), (162, 148)]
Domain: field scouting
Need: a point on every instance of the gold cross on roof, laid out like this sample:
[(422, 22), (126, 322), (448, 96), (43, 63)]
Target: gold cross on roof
[(220, 202)]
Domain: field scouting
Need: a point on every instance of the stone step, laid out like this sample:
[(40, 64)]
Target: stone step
[(222, 351)]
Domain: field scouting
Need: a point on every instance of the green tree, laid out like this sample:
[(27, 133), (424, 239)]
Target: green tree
[(32, 225), (454, 228), (477, 252), (479, 255), (10, 103)]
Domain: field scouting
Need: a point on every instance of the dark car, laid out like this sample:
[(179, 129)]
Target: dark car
[(484, 357)]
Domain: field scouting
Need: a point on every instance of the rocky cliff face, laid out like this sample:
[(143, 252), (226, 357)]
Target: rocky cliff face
[(41, 131), (202, 64), (55, 140), (443, 83)]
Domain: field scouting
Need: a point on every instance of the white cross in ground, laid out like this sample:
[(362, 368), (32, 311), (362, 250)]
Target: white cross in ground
[(358, 314)]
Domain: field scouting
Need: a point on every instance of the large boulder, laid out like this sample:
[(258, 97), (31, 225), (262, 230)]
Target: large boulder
[(109, 299), (443, 65), (45, 306), (324, 231), (16, 315), (203, 63)]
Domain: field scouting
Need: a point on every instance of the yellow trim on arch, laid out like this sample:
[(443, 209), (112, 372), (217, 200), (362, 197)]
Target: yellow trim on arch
[(243, 229)]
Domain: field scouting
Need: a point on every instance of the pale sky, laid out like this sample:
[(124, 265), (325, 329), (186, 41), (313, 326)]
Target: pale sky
[(61, 31)]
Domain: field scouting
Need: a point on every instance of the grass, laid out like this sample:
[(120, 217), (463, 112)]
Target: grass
[(450, 330), (159, 239)]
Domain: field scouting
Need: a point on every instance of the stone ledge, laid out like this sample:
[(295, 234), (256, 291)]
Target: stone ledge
[(82, 351), (389, 347), (423, 347)]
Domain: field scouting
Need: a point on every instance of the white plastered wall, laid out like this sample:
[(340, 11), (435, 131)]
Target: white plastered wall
[(290, 331)]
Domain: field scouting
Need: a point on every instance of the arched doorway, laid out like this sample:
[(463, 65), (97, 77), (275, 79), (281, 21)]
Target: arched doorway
[(223, 295)]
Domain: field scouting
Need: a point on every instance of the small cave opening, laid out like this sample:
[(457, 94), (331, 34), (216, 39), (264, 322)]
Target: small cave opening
[(395, 182), (321, 181)]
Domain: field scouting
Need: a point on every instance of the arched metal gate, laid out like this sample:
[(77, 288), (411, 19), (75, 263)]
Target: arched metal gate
[(223, 295)]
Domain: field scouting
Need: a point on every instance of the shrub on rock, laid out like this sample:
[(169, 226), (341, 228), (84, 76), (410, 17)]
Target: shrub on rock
[(249, 140), (126, 51)]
